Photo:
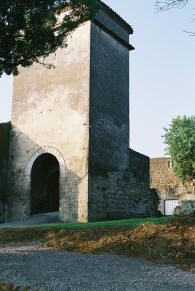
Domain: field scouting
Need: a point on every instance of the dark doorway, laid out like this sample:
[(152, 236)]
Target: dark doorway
[(44, 185)]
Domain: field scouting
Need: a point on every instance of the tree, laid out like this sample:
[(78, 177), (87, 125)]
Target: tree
[(180, 138), (30, 29)]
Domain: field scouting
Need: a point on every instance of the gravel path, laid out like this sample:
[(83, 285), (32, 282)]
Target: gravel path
[(37, 219), (48, 269)]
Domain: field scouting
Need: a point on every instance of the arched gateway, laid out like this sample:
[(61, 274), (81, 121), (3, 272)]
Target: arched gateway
[(44, 175), (44, 188), (82, 108)]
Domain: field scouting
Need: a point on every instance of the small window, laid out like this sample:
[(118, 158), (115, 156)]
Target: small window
[(170, 164), (170, 188)]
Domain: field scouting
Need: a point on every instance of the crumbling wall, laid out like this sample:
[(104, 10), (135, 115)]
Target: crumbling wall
[(4, 154)]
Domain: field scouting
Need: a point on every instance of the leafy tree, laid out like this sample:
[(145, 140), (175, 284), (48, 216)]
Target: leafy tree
[(28, 29), (180, 138)]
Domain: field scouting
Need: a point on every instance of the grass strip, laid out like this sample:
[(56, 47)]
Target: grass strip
[(131, 223)]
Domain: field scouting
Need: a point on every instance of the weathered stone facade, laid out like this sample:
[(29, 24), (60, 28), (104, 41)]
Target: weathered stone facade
[(70, 130), (167, 184), (122, 193)]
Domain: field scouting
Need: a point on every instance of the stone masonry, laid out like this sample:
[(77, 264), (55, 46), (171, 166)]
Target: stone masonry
[(167, 184), (69, 133), (186, 207)]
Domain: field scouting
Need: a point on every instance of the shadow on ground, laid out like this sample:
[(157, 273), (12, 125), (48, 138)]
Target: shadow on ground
[(37, 219)]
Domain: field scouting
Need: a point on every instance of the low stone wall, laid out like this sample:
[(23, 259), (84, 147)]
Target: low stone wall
[(120, 195), (187, 207), (124, 193)]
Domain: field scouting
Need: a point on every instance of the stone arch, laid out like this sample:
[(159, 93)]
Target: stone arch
[(44, 150), (40, 151)]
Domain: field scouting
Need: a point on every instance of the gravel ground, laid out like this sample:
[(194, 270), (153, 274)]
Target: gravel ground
[(49, 269)]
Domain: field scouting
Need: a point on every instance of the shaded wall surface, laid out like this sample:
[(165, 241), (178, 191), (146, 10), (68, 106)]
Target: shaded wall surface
[(122, 194), (4, 154), (140, 167), (109, 118), (109, 102), (114, 191), (114, 24)]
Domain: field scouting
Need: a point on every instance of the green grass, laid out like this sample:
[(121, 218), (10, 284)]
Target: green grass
[(131, 223)]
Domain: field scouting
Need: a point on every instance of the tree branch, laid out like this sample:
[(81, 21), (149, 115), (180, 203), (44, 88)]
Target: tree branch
[(169, 4), (8, 15)]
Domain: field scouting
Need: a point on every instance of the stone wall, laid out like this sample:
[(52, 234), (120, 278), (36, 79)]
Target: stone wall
[(168, 185), (4, 152), (119, 195), (122, 194), (140, 167), (118, 178), (186, 207), (114, 23), (109, 102)]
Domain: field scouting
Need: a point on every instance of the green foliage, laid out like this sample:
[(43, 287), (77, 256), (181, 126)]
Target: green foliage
[(180, 138), (28, 29)]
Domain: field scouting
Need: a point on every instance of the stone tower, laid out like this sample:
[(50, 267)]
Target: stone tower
[(69, 138)]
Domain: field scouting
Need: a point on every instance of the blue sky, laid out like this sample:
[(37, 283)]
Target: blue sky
[(162, 71)]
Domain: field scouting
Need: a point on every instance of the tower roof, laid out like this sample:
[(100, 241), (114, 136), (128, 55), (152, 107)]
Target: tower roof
[(107, 9), (117, 17)]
